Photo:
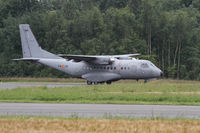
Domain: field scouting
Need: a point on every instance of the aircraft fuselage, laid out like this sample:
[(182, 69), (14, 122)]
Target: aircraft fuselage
[(123, 69)]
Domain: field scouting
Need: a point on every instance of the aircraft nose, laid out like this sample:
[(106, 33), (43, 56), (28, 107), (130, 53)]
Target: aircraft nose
[(159, 73)]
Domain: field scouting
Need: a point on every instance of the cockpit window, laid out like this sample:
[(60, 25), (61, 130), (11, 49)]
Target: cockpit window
[(144, 65), (152, 64)]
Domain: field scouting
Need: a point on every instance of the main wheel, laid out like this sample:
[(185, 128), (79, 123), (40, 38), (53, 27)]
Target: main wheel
[(89, 83), (108, 82), (96, 83)]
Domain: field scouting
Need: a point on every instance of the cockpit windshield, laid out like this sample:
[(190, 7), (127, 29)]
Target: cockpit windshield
[(144, 65), (151, 64)]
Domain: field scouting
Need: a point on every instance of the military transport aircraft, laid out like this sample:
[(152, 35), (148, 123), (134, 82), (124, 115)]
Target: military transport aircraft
[(95, 69)]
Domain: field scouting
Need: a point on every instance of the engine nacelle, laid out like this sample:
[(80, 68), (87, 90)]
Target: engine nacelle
[(104, 61)]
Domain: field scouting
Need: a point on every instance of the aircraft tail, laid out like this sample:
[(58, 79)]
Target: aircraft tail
[(30, 46)]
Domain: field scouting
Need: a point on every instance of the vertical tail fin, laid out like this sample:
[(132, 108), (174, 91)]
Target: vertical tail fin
[(30, 46)]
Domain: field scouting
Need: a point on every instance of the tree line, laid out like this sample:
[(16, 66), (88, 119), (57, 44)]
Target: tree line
[(167, 32)]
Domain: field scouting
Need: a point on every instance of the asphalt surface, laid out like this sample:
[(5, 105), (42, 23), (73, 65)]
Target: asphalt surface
[(13, 85), (99, 110)]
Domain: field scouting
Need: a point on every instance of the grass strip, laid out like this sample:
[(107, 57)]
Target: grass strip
[(156, 92)]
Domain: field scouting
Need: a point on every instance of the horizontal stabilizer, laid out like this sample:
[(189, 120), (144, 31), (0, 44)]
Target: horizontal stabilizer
[(26, 59)]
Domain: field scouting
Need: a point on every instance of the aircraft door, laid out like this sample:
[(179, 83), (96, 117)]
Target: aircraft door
[(133, 70)]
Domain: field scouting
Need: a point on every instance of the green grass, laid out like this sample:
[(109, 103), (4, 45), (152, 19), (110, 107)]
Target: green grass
[(154, 92)]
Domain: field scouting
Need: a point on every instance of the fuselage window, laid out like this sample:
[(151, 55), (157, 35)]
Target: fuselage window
[(114, 68), (111, 68), (124, 68), (104, 68), (121, 68), (108, 68)]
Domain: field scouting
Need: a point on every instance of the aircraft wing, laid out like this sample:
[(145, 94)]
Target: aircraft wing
[(78, 57), (102, 60)]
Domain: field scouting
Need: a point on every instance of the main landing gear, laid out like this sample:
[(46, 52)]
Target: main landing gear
[(89, 83), (96, 83), (108, 82)]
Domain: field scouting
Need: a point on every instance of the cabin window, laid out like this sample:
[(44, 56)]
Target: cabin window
[(108, 68), (111, 68), (121, 68), (104, 68), (114, 68)]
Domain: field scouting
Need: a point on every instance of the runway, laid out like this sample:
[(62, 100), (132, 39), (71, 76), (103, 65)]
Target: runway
[(99, 110), (13, 85)]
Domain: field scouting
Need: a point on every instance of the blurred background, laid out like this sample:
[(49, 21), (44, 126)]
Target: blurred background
[(167, 32)]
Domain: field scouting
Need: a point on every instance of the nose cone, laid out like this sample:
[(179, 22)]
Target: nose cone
[(158, 73)]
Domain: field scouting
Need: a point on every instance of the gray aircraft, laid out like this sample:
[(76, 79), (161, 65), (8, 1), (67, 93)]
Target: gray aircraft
[(95, 69)]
